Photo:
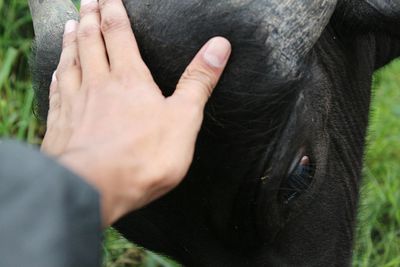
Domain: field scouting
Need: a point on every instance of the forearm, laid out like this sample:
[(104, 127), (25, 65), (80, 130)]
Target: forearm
[(48, 216)]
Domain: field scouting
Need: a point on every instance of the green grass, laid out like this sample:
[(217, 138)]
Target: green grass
[(16, 117), (378, 242), (378, 233)]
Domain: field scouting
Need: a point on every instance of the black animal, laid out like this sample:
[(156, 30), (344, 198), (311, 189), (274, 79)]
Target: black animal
[(276, 174)]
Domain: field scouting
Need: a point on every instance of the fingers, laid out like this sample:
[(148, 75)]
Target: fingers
[(54, 103), (69, 70), (202, 75), (53, 86), (122, 49), (92, 52), (67, 78)]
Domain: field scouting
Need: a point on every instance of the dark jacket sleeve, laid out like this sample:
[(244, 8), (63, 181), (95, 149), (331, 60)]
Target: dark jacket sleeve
[(49, 217)]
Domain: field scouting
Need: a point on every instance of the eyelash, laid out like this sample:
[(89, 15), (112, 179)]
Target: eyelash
[(297, 182)]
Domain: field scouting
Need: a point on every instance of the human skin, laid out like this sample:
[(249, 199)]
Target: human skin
[(108, 120)]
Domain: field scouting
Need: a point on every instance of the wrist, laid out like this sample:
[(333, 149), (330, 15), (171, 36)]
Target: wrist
[(87, 166)]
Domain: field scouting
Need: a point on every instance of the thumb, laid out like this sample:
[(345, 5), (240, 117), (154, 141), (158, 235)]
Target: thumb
[(203, 73)]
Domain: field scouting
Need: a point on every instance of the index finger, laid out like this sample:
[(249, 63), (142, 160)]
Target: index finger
[(122, 48)]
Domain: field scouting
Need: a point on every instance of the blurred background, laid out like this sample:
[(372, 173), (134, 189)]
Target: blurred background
[(378, 231)]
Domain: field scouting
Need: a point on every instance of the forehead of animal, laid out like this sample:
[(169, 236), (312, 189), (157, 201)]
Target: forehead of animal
[(292, 27)]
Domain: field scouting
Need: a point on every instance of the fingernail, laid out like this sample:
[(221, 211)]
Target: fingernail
[(70, 26), (217, 52), (86, 2), (54, 78)]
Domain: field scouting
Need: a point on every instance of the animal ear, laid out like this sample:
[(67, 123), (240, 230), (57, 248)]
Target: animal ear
[(371, 15), (49, 18)]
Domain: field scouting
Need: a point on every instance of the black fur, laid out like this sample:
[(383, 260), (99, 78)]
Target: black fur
[(227, 211)]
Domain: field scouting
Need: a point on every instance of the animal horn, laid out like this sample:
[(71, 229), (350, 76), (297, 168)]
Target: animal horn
[(386, 7), (50, 16), (294, 27)]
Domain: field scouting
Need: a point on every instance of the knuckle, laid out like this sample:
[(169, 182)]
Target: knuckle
[(54, 101), (69, 39), (93, 85), (67, 64), (104, 3), (123, 79), (88, 9), (201, 77), (88, 31), (126, 74), (114, 23)]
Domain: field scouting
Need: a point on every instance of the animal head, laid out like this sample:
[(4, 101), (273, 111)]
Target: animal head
[(276, 174)]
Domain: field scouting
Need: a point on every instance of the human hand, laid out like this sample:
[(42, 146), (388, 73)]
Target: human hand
[(108, 120)]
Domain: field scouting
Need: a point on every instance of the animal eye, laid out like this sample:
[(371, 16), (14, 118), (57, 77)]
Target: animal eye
[(298, 181)]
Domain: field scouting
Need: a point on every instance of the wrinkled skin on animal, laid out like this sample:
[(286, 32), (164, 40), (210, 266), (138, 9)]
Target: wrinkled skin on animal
[(276, 173)]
